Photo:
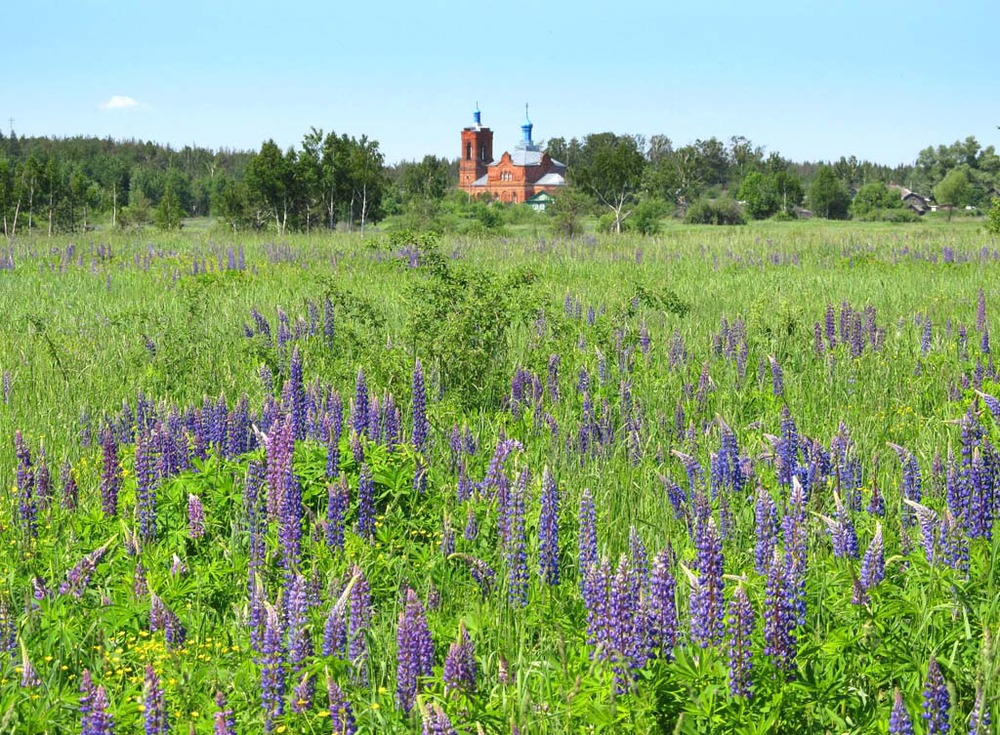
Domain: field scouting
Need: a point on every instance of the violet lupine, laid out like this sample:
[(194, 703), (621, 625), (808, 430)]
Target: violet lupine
[(586, 536), (910, 488), (155, 699), (196, 517), (359, 620), (660, 607), (225, 723), (447, 545), (290, 524), (43, 481), (298, 641), (359, 408), (338, 497), (628, 646), (596, 595), (335, 632), (766, 527), (707, 624), (741, 624), (777, 378), (779, 618), (937, 702), (483, 574), (471, 531), (298, 402), (421, 426), (552, 385), (873, 562), (929, 524), (302, 694), (27, 508), (280, 447), (333, 450), (795, 534), (272, 670), (460, 664), (548, 530), (70, 492), (78, 577), (111, 478), (366, 503), (97, 720), (953, 544), (979, 720), (788, 449), (516, 547), (341, 713), (414, 651), (434, 721), (29, 675), (899, 720), (463, 489), (145, 487)]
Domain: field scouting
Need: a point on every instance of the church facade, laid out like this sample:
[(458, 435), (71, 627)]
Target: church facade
[(516, 177)]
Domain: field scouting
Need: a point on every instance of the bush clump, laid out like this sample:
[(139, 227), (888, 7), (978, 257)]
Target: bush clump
[(723, 211)]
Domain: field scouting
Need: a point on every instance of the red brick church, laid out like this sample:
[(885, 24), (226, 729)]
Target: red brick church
[(520, 176)]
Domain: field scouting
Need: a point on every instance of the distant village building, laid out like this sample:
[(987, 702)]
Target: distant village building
[(916, 202), (519, 177)]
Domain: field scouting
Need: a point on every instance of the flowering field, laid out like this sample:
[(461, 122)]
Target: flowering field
[(738, 482)]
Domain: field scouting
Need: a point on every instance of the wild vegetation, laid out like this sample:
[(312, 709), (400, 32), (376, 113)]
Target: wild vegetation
[(740, 480)]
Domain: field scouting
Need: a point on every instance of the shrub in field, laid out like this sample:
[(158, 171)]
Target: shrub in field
[(715, 212)]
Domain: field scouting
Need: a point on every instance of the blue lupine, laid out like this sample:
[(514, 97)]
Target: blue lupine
[(43, 481), (471, 525), (366, 503), (421, 426), (516, 553), (660, 606), (766, 530), (596, 595), (586, 535), (359, 620), (70, 491), (225, 723), (548, 530), (741, 624), (341, 713), (788, 448), (979, 720), (196, 517), (97, 721), (873, 562), (447, 545), (414, 651), (552, 386), (434, 721), (937, 701), (337, 500), (627, 636), (27, 508), (333, 450), (359, 408), (155, 715), (707, 624), (777, 378), (779, 618), (911, 487), (460, 664), (272, 670), (335, 632), (899, 720)]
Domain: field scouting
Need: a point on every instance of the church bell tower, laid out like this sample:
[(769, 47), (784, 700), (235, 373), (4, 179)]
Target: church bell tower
[(477, 152)]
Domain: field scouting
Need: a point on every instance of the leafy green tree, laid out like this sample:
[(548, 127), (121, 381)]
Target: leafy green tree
[(271, 176), (646, 217), (953, 191), (424, 185), (827, 196), (137, 214), (567, 210), (759, 192), (366, 171), (610, 169), (993, 217), (873, 198), (168, 213)]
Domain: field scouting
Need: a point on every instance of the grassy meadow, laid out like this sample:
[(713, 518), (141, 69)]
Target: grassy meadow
[(720, 480)]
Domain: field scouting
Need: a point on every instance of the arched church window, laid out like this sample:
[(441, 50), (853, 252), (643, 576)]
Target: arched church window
[(468, 151)]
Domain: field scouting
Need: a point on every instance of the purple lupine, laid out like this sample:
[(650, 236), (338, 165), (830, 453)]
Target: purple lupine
[(548, 530), (741, 624), (43, 481), (302, 694), (298, 395), (359, 620), (483, 574), (788, 448), (298, 640), (552, 385), (280, 447), (225, 723), (873, 562), (707, 624), (795, 534), (196, 517), (155, 699), (660, 605), (97, 721), (937, 702), (979, 720), (341, 713), (338, 497), (627, 636), (78, 577), (447, 545), (953, 544), (272, 670), (516, 548), (779, 618), (29, 675), (766, 530), (464, 487), (366, 503), (981, 311), (335, 632), (421, 426), (146, 483), (414, 652), (777, 378), (460, 664), (586, 535), (70, 492), (359, 408), (596, 595), (471, 525), (899, 720), (27, 508), (290, 518), (434, 721), (333, 449)]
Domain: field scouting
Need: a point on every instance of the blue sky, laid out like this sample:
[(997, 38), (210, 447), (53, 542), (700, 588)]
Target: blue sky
[(880, 79)]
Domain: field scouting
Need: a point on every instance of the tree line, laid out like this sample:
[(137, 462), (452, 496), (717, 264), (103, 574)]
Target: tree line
[(63, 184)]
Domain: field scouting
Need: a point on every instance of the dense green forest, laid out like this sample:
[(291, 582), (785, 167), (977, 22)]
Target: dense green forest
[(51, 185)]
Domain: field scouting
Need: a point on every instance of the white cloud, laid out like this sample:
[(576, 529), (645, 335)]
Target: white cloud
[(120, 102)]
